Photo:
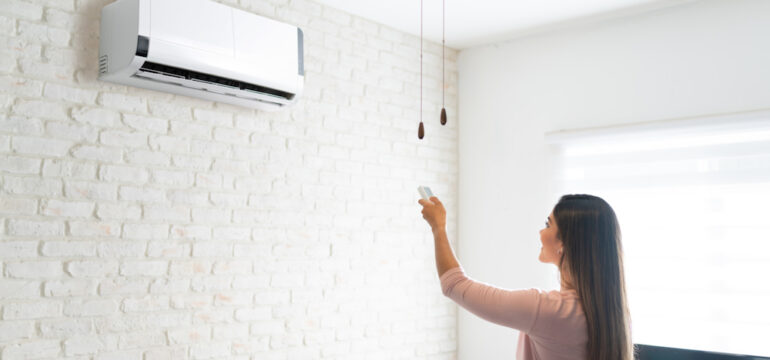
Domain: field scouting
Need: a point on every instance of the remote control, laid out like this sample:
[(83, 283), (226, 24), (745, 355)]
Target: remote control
[(425, 192)]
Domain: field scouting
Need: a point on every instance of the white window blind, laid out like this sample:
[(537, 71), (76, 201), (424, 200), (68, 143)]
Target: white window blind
[(693, 201)]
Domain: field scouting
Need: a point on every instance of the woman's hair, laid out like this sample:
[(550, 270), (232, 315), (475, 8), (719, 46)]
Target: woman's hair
[(593, 258)]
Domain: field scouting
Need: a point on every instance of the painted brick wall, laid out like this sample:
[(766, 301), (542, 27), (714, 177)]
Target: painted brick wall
[(142, 225)]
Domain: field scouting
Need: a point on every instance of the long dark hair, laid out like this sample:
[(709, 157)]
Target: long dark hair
[(593, 258)]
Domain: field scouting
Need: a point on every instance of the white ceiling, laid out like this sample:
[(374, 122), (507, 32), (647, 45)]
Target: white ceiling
[(472, 23)]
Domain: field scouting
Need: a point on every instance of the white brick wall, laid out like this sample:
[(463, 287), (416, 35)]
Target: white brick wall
[(142, 225)]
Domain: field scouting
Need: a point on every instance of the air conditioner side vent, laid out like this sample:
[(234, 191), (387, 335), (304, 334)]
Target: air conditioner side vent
[(103, 64)]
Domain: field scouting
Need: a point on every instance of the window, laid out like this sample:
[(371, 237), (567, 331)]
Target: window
[(692, 198)]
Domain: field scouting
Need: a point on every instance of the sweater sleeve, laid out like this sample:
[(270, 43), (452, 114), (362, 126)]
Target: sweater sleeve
[(512, 308)]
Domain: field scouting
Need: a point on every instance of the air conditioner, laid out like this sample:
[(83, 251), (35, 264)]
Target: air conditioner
[(203, 49)]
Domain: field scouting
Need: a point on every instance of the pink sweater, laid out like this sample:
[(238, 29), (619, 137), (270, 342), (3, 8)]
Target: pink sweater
[(552, 324)]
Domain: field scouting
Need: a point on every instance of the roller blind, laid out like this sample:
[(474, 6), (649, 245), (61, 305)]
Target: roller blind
[(692, 200)]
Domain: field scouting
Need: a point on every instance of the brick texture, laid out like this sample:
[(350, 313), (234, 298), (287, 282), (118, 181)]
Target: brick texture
[(143, 225)]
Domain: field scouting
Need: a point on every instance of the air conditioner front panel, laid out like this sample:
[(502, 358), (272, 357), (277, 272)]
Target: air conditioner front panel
[(254, 34), (246, 36), (194, 24)]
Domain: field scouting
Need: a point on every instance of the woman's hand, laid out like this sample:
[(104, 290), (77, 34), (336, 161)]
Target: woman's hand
[(434, 213)]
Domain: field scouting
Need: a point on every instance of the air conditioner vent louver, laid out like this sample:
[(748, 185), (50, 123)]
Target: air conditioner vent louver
[(196, 76)]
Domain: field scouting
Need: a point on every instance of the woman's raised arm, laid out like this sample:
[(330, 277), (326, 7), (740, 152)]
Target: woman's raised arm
[(434, 213)]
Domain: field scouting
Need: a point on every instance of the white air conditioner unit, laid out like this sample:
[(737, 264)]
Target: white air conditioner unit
[(203, 49)]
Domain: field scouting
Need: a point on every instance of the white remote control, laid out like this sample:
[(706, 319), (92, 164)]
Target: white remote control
[(425, 192)]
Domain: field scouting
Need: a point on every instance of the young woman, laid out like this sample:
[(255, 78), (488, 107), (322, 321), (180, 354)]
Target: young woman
[(587, 318)]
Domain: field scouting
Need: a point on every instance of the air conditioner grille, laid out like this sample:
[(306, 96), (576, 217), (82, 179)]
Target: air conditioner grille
[(103, 64), (196, 76)]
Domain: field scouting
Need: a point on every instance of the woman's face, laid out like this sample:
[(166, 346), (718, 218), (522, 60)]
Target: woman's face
[(551, 244)]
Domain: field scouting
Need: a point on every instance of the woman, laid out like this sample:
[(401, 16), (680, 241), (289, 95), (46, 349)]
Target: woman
[(587, 318)]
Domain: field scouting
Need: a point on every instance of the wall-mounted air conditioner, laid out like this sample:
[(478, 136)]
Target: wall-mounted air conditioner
[(204, 49)]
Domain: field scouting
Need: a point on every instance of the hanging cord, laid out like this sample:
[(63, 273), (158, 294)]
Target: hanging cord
[(421, 129), (443, 57)]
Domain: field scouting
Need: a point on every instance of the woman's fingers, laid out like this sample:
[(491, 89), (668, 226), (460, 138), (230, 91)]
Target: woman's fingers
[(433, 200), (424, 202)]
